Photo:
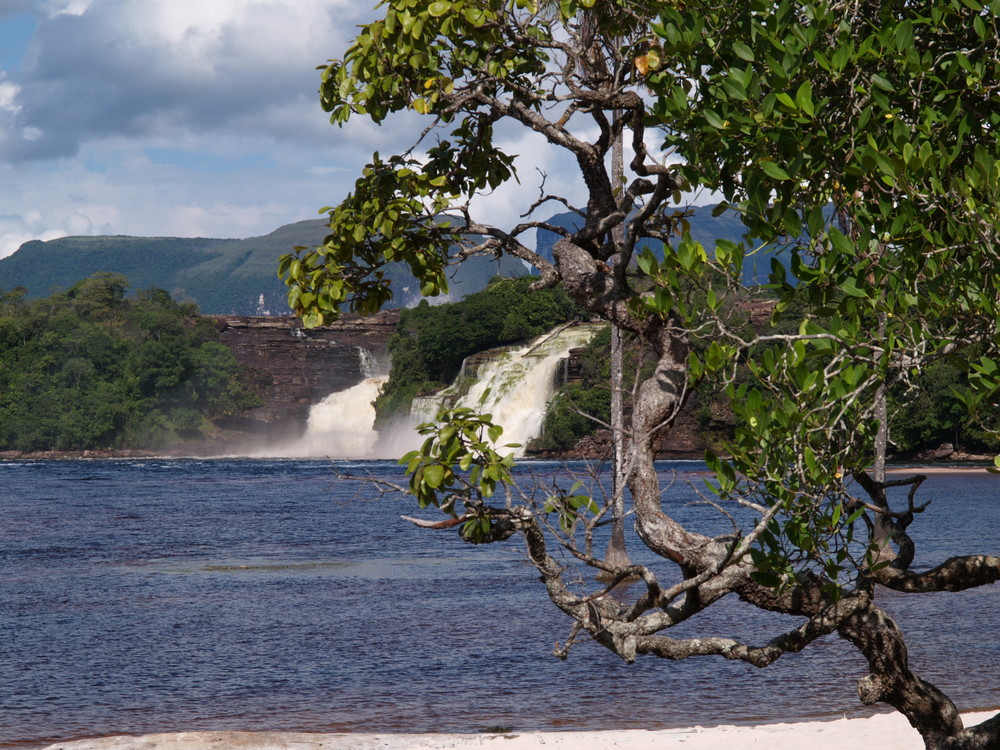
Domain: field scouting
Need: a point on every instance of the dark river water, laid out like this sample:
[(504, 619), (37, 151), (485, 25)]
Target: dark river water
[(155, 595)]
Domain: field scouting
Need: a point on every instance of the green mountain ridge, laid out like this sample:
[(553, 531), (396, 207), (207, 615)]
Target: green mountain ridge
[(223, 276), (239, 276)]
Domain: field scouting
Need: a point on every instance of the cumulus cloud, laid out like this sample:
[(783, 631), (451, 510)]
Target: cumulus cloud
[(17, 229), (194, 118), (137, 68), (121, 189)]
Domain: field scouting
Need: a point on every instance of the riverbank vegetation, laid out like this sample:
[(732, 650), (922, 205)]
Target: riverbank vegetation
[(922, 419), (94, 368)]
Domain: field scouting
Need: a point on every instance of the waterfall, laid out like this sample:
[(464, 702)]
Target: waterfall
[(367, 363), (342, 425), (513, 384)]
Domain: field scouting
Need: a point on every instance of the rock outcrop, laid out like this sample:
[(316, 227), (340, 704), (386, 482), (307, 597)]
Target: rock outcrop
[(292, 367)]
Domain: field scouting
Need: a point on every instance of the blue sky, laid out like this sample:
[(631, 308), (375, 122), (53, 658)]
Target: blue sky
[(193, 118), (170, 117), (173, 117)]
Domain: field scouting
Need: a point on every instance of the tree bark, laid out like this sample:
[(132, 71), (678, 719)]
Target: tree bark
[(617, 554)]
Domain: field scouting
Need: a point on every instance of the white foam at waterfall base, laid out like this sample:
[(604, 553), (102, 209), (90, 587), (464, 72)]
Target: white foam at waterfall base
[(342, 425)]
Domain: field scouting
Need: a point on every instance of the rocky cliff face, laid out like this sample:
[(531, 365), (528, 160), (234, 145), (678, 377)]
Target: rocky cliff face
[(293, 368)]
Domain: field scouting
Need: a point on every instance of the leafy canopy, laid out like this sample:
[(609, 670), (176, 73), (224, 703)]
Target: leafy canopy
[(860, 137)]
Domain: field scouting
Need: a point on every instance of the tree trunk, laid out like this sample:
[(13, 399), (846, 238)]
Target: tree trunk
[(617, 554)]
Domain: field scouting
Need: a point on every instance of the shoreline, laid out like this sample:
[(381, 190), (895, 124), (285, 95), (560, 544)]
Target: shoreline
[(965, 464), (886, 731)]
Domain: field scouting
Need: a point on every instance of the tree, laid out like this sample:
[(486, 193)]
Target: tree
[(93, 367), (860, 136)]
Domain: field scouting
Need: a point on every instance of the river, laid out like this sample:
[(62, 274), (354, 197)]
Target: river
[(164, 595)]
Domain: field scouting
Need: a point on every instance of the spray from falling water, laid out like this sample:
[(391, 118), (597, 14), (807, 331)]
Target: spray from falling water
[(342, 424)]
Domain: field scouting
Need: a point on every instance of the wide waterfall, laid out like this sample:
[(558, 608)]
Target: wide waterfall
[(513, 384)]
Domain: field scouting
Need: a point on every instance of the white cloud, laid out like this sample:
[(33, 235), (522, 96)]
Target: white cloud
[(56, 8), (78, 224), (143, 68), (173, 117), (16, 230), (197, 118), (8, 95)]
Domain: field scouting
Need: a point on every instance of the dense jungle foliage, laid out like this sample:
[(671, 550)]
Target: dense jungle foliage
[(921, 419), (93, 368), (430, 342)]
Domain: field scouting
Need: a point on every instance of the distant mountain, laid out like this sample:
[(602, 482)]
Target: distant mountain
[(705, 229), (239, 277), (224, 276)]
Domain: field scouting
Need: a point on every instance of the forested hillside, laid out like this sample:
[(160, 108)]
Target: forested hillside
[(922, 419), (222, 276), (94, 368), (431, 342), (230, 276)]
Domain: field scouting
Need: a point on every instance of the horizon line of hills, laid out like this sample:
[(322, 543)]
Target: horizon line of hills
[(239, 276)]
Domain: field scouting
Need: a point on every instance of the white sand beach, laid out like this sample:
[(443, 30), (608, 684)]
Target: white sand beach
[(883, 731)]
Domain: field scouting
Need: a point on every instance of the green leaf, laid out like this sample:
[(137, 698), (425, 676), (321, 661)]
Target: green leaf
[(786, 100), (882, 83), (850, 286), (475, 16), (743, 51), (312, 319), (773, 170), (647, 262), (438, 9), (434, 475), (803, 97), (713, 119)]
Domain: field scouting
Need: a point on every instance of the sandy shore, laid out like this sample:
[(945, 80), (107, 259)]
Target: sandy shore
[(884, 731)]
